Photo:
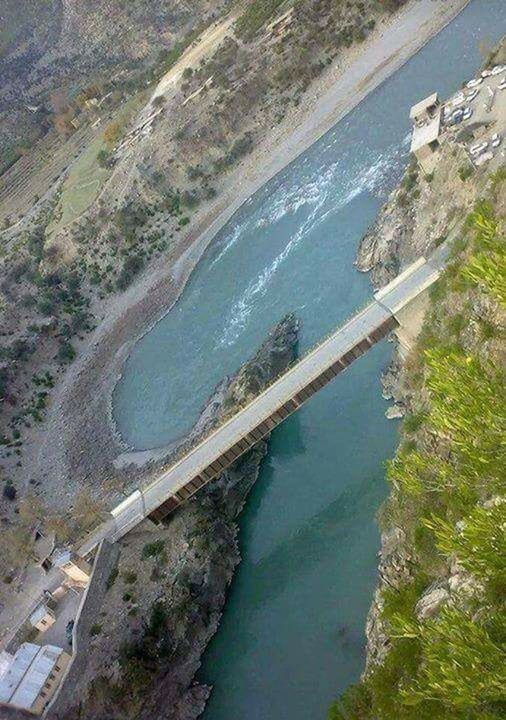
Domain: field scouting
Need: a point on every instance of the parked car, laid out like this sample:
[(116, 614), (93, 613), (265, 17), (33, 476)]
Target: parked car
[(458, 99), (496, 140), (474, 82), (456, 117), (467, 113), (470, 96), (502, 84), (68, 631), (498, 69), (486, 73), (478, 148)]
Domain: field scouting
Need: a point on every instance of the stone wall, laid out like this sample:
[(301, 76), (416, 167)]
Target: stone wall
[(88, 614)]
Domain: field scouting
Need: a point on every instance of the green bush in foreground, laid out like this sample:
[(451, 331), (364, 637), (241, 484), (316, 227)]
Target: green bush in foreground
[(448, 496)]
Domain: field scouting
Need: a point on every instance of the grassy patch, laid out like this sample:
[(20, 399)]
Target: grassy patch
[(153, 549), (257, 14)]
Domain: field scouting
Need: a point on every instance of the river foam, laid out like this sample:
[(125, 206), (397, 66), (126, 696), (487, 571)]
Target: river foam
[(317, 194)]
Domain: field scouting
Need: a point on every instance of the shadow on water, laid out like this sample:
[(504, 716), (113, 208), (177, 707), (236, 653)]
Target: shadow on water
[(310, 544)]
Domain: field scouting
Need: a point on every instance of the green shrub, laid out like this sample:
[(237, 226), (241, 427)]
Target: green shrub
[(456, 323), (255, 17), (479, 544), (400, 601), (153, 549), (131, 267), (66, 352), (462, 665), (465, 172), (104, 158), (112, 578), (354, 704), (410, 180), (412, 423)]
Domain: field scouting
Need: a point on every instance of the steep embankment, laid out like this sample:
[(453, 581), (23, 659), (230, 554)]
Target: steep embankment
[(52, 50), (164, 602), (436, 631)]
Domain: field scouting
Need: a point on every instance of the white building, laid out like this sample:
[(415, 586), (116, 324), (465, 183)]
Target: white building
[(29, 678), (42, 618)]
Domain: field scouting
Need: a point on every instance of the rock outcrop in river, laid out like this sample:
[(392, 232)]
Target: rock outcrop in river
[(163, 602)]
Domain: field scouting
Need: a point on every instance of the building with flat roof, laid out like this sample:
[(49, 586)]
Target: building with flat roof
[(74, 567), (42, 618), (29, 678), (426, 119)]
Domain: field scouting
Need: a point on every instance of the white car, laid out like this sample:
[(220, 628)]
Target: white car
[(496, 140), (458, 99), (467, 113), (486, 73), (474, 82), (470, 96), (498, 69), (478, 148)]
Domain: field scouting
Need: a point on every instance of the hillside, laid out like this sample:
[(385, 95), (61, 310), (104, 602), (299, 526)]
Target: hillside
[(436, 632), (51, 50), (143, 185)]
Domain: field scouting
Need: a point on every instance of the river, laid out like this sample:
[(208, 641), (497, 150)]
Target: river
[(292, 634)]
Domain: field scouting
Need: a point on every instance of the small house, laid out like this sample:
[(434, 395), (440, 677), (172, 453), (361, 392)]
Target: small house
[(74, 567), (42, 618)]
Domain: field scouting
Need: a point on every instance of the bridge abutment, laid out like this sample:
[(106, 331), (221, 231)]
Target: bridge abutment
[(410, 322)]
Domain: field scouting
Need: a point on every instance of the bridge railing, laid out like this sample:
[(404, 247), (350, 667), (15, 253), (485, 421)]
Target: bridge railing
[(185, 448)]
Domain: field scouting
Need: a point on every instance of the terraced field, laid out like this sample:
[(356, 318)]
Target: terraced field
[(33, 174)]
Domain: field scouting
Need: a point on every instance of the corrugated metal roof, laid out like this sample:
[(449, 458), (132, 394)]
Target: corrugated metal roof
[(5, 662), (62, 558), (29, 670)]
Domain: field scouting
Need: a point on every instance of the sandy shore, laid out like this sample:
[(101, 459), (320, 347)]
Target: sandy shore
[(77, 444)]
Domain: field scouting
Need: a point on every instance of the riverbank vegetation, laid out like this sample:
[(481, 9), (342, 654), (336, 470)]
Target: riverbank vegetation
[(444, 619), (92, 238)]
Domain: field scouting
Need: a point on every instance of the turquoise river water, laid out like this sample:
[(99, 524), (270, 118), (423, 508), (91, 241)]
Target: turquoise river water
[(292, 635)]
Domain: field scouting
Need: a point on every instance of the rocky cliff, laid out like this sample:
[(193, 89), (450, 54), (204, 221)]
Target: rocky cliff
[(435, 647), (164, 601)]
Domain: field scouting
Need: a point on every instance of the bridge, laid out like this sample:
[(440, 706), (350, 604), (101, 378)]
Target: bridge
[(387, 312)]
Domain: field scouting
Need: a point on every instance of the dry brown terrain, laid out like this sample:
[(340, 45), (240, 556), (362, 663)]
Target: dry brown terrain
[(76, 296)]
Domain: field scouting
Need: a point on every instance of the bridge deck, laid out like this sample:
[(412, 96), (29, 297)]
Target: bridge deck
[(284, 396)]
